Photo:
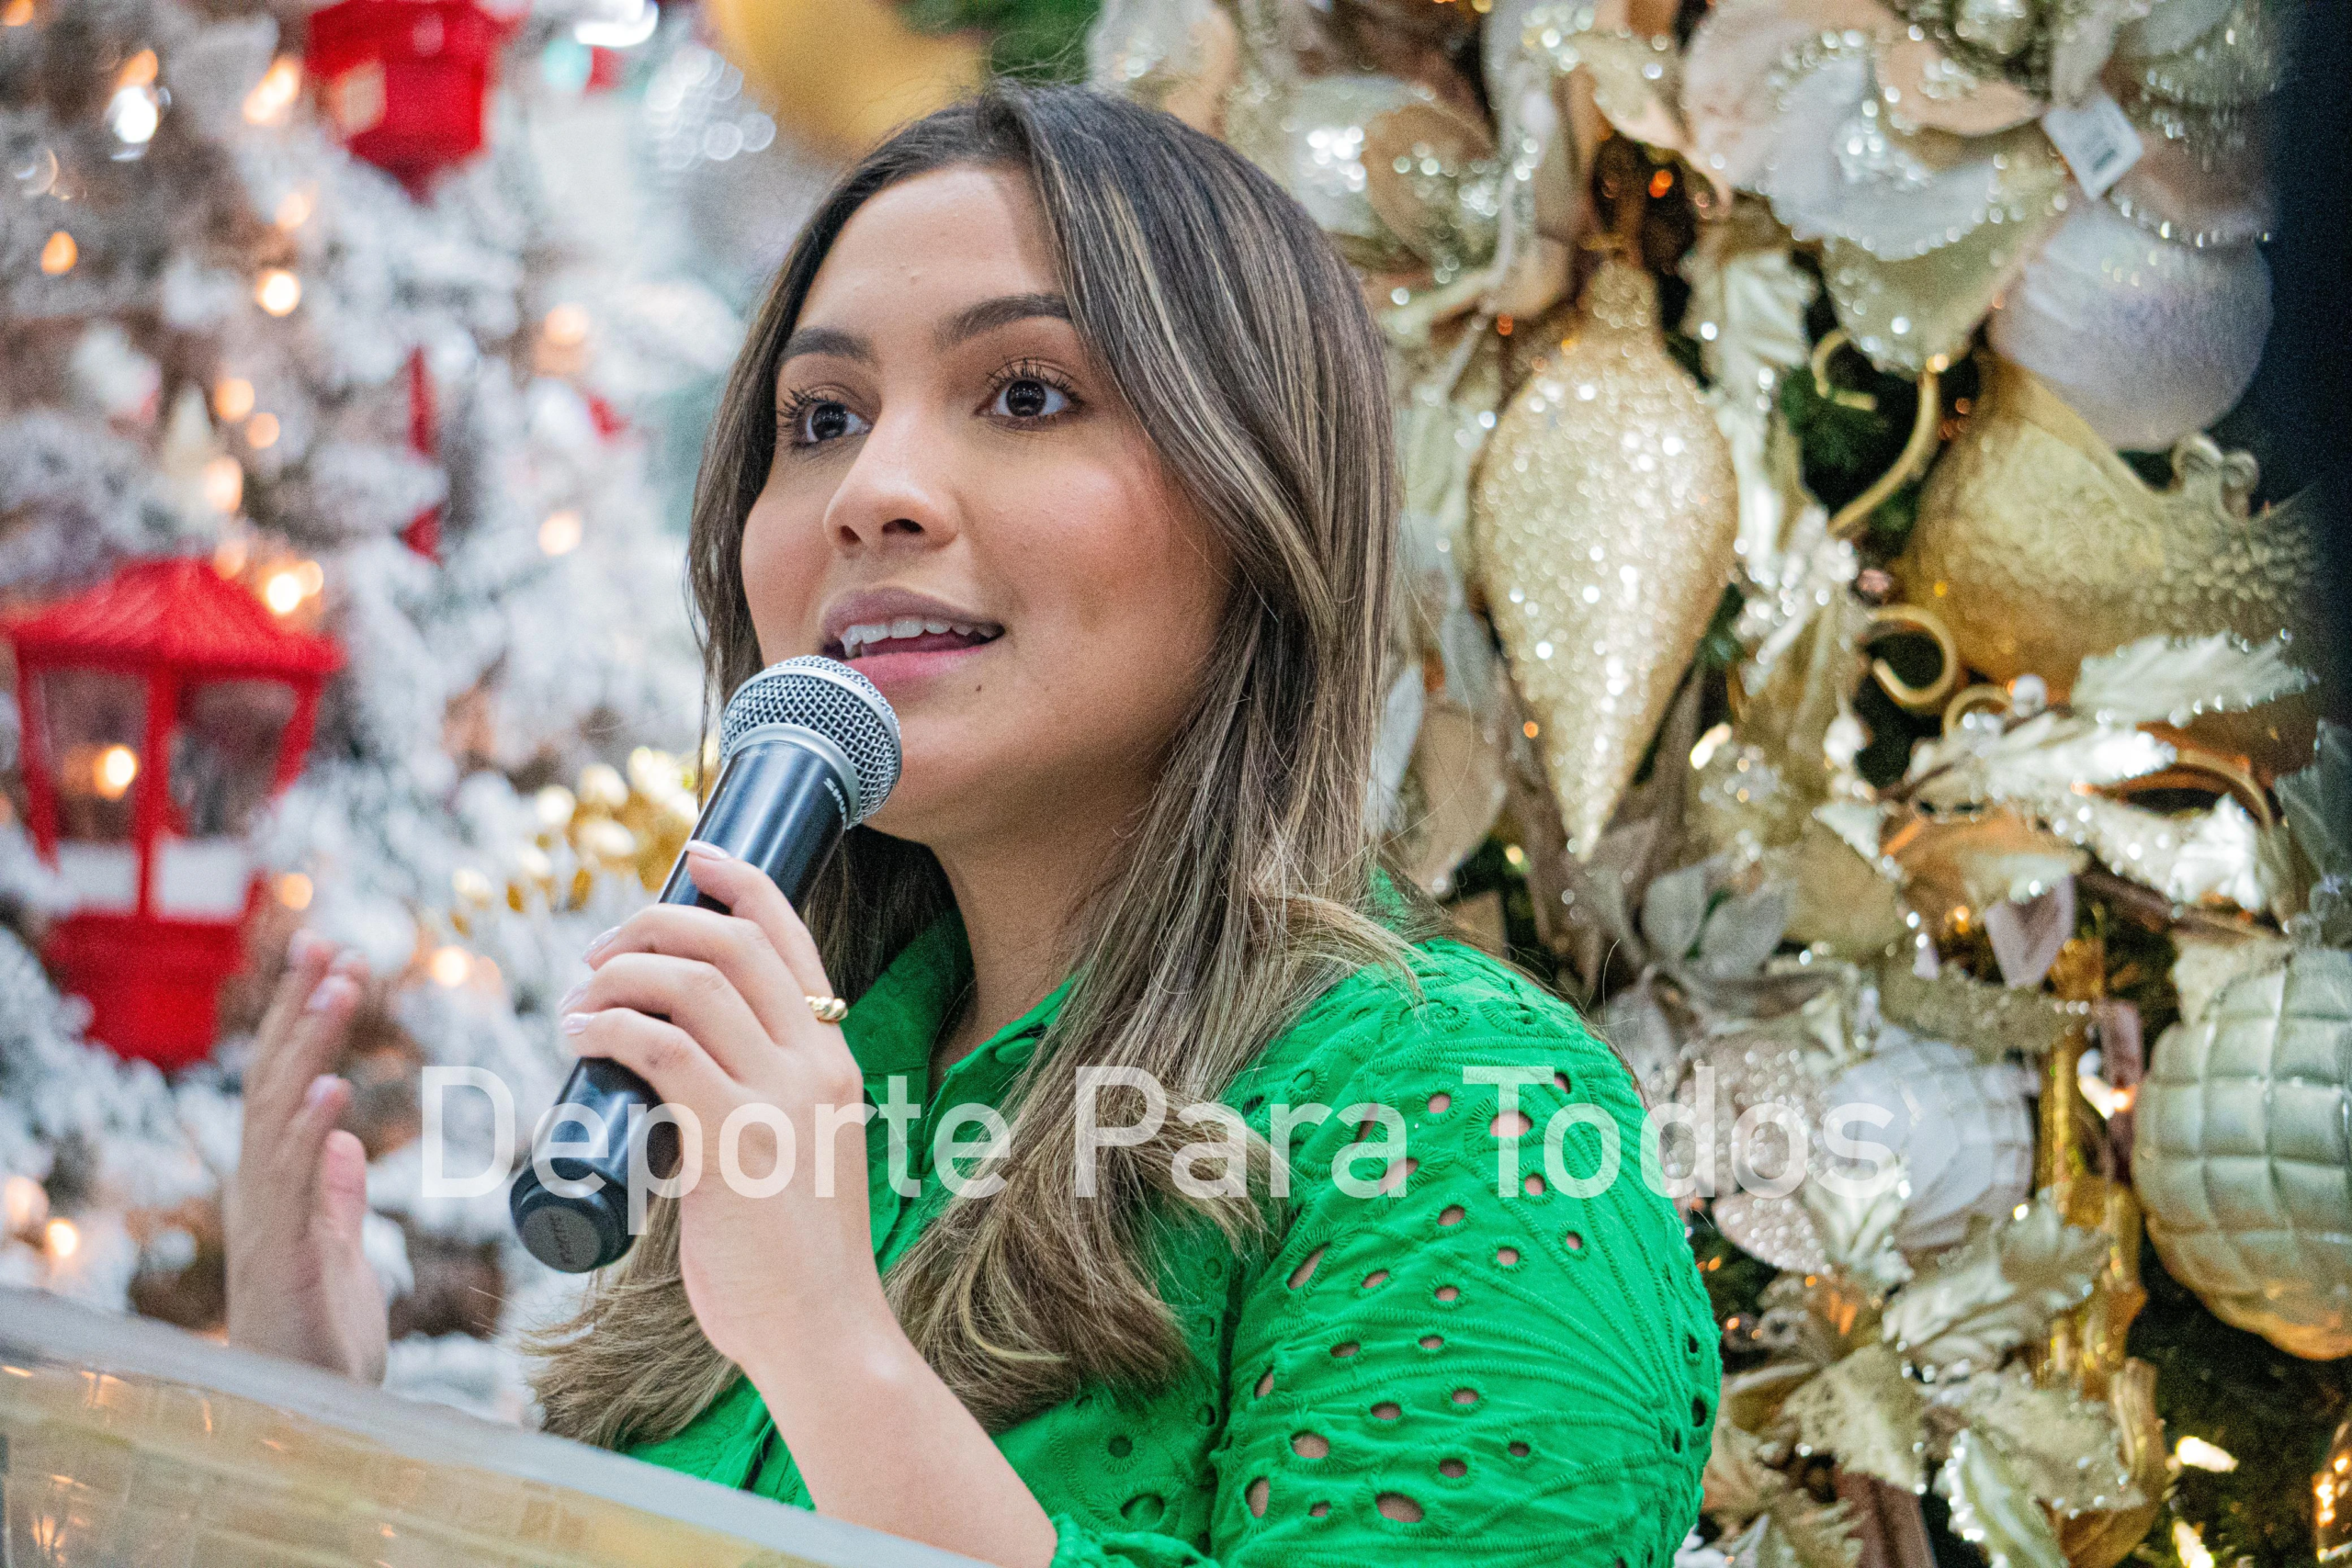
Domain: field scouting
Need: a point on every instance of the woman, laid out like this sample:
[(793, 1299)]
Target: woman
[(1064, 425)]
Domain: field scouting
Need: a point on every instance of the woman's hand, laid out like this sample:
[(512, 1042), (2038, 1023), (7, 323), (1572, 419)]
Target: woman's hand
[(299, 1285), (712, 1009)]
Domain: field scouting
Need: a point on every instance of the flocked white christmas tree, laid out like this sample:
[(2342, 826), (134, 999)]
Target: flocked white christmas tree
[(214, 319)]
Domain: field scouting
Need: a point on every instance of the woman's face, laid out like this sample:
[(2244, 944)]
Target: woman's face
[(963, 508)]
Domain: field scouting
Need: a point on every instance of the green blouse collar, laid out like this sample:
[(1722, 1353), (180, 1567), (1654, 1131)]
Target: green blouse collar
[(893, 1027)]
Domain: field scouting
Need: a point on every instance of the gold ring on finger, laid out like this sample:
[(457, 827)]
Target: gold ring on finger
[(829, 1010)]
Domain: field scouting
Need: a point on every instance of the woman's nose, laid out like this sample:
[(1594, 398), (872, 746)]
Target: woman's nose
[(897, 491)]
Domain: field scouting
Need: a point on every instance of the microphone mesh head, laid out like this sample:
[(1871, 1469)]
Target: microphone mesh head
[(835, 701)]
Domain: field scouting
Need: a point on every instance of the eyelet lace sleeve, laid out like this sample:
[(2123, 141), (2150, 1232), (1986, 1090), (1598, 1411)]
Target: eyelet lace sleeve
[(1528, 1375)]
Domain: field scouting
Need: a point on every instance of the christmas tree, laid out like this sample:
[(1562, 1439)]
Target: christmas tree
[(274, 306)]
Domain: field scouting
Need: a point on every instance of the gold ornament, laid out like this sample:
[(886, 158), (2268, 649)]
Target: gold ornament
[(840, 74), (1605, 514), (2038, 548)]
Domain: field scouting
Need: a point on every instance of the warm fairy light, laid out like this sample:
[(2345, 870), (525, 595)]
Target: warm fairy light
[(133, 113), (282, 593), (229, 556), (2106, 1099), (278, 291), (274, 93), (137, 71), (566, 326), (225, 485), (1515, 856), (555, 806), (309, 576), (16, 14), (2199, 1454), (59, 253), (450, 965), (294, 890), (233, 396), (560, 535), (261, 431), (1709, 744), (295, 210), (1531, 729), (116, 767), (63, 1238), (1661, 183), (471, 885), (2190, 1546), (24, 1204)]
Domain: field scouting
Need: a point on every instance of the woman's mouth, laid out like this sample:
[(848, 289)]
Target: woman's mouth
[(910, 634)]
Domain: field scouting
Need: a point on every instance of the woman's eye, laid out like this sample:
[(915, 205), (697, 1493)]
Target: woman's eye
[(1026, 397), (825, 420)]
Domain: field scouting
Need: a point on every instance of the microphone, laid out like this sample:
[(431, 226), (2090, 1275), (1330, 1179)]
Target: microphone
[(809, 749)]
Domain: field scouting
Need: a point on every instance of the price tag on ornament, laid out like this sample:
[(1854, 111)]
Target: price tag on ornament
[(2096, 138)]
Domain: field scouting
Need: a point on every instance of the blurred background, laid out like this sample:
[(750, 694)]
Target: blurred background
[(1875, 588)]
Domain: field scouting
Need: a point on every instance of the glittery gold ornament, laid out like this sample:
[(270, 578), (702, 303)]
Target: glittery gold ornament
[(1605, 515), (2038, 547)]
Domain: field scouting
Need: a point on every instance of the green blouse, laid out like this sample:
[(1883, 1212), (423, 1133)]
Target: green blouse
[(1527, 1372)]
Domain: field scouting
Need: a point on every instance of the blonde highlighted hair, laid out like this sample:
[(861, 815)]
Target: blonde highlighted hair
[(1240, 342)]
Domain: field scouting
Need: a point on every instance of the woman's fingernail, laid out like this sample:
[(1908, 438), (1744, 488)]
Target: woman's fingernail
[(700, 847), (331, 992), (604, 941), (571, 998), (321, 1088), (577, 1022)]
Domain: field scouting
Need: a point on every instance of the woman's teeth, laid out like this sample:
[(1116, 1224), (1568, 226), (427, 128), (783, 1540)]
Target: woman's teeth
[(873, 637)]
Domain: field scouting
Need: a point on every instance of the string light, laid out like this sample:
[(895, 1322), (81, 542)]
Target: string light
[(278, 291), (294, 890), (233, 396), (225, 485), (295, 210), (117, 766), (16, 14), (65, 1240), (566, 326), (59, 253), (2199, 1454), (451, 966), (137, 71), (133, 113), (24, 1204), (560, 535), (282, 592), (2190, 1546), (261, 431), (274, 93)]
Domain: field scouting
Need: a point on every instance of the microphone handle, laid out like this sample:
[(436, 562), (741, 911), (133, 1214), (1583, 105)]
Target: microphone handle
[(779, 804)]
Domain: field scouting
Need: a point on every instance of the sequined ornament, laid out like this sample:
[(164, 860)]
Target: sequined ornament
[(1605, 516), (2039, 547), (1960, 1125), (2243, 1152), (1931, 148)]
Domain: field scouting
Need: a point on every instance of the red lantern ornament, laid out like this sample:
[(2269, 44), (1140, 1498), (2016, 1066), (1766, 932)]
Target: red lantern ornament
[(405, 82), (162, 710)]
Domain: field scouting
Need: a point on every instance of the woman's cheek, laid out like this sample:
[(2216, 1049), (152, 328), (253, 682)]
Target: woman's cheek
[(783, 572)]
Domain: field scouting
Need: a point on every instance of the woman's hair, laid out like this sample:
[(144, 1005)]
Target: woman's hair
[(1241, 345)]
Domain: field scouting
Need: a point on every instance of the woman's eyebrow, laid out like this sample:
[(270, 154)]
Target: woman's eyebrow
[(828, 340), (989, 314)]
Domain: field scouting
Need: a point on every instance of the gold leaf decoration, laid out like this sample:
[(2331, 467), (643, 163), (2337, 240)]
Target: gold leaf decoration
[(2064, 1448), (1992, 1510), (1867, 1414), (1994, 1294)]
